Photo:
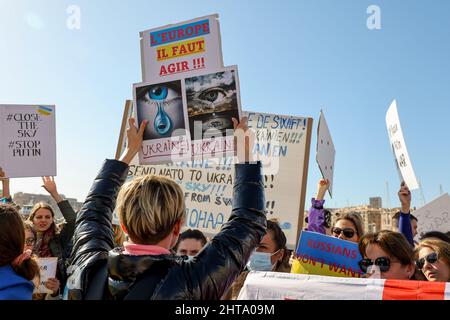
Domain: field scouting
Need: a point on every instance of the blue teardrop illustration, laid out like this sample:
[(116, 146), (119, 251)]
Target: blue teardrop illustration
[(162, 122)]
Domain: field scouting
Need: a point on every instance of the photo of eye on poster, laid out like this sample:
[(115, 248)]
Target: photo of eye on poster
[(188, 118)]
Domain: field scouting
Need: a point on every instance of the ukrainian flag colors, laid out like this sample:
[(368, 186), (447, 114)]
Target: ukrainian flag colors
[(45, 111)]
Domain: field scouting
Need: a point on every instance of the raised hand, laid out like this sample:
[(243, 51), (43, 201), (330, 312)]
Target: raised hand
[(244, 139), (134, 140), (404, 195), (49, 184)]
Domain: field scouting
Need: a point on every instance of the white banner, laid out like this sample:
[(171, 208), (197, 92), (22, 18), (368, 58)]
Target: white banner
[(287, 286), (398, 146), (27, 140)]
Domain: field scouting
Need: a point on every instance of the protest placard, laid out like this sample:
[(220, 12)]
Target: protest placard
[(47, 268), (288, 286), (398, 146), (434, 216), (189, 118), (282, 144), (181, 49), (27, 140), (324, 255), (325, 152)]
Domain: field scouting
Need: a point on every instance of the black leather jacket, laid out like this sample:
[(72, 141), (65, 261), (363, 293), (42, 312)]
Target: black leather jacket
[(207, 277)]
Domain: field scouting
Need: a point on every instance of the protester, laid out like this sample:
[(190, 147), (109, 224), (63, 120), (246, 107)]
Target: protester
[(433, 259), (435, 235), (390, 252), (17, 266), (152, 211), (407, 223), (51, 241), (348, 227), (190, 243)]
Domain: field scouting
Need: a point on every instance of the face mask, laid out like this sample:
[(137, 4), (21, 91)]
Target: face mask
[(260, 261), (189, 258)]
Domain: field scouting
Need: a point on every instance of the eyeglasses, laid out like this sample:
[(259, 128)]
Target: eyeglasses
[(383, 262), (348, 232), (431, 258), (30, 241)]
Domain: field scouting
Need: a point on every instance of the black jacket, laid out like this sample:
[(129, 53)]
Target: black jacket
[(207, 277)]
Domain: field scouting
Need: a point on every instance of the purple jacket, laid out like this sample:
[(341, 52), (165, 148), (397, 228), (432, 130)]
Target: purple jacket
[(316, 217)]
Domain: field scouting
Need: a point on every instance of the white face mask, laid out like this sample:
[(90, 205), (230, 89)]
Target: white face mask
[(260, 261), (189, 258)]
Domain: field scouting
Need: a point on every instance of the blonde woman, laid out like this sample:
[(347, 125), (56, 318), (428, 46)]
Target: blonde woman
[(151, 212), (433, 259)]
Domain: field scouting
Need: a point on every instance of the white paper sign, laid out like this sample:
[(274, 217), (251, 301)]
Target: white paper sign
[(325, 152), (27, 140), (434, 216), (47, 267), (181, 49), (398, 146)]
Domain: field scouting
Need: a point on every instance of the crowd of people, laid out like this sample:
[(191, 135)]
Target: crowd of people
[(148, 256)]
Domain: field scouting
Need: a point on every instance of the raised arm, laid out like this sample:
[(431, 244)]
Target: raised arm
[(93, 236), (316, 216), (5, 187)]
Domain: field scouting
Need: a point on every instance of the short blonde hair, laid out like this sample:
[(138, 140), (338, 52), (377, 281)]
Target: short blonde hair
[(149, 207)]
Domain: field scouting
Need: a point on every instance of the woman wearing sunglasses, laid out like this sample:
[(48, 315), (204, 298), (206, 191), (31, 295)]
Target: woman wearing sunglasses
[(348, 227), (433, 259), (390, 252)]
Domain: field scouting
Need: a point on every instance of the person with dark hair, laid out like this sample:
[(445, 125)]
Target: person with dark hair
[(18, 267), (389, 252), (190, 243), (151, 212), (435, 235)]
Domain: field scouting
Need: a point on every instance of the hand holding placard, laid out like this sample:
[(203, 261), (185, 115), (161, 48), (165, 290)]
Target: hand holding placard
[(134, 140), (322, 188), (244, 139), (404, 196)]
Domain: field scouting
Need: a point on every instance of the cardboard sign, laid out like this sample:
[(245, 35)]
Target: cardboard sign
[(282, 145), (398, 145), (181, 49), (27, 140), (188, 118), (286, 286), (47, 267), (325, 152), (324, 255), (434, 216)]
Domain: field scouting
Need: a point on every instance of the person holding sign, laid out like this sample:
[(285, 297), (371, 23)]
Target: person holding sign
[(151, 212), (53, 241), (387, 254), (17, 266), (433, 259)]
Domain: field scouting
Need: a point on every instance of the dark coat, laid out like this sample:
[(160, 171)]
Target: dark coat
[(207, 277)]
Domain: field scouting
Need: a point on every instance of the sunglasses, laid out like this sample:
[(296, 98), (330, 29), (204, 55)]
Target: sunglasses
[(383, 262), (431, 258), (348, 232)]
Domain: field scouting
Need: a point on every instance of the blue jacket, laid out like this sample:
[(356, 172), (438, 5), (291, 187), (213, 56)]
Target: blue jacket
[(404, 225), (13, 286)]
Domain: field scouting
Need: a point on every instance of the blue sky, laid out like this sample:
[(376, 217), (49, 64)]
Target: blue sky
[(293, 56)]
